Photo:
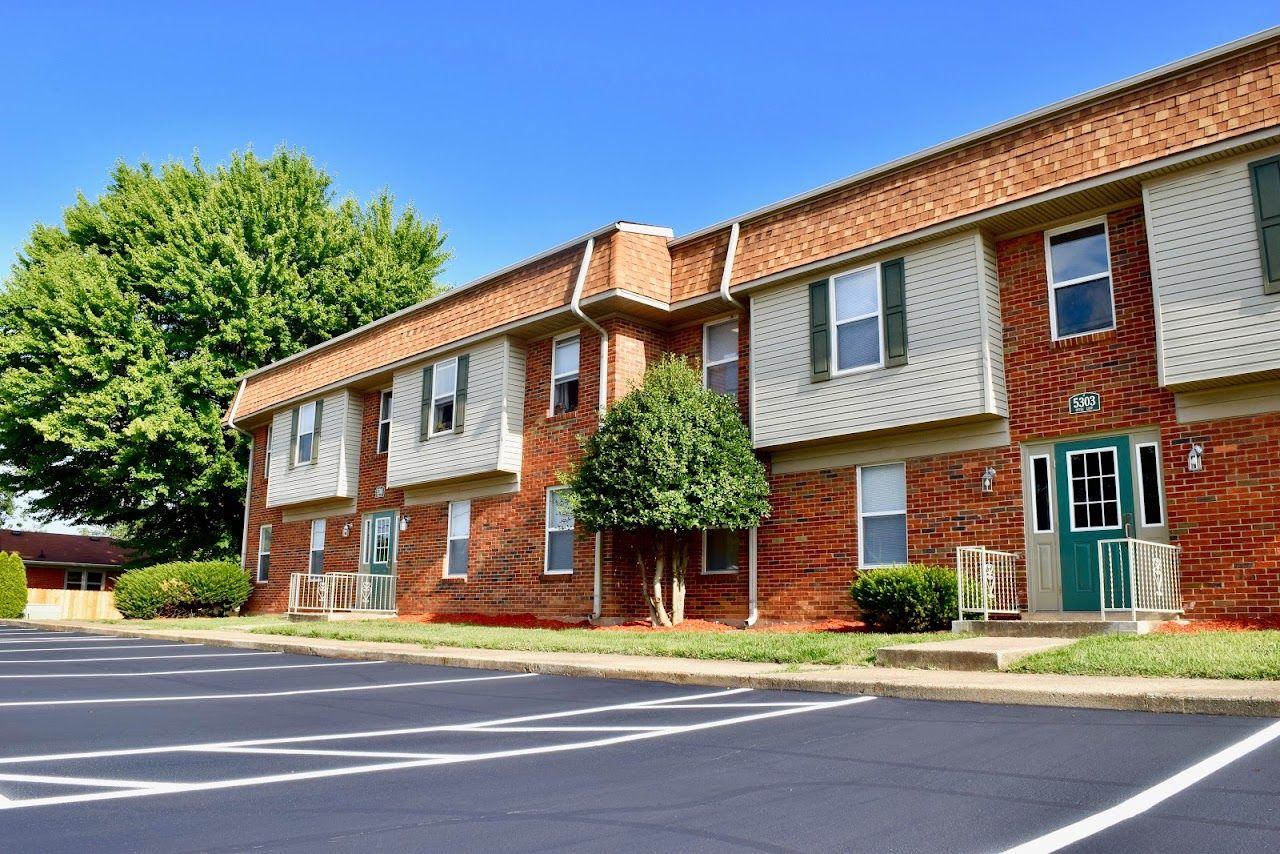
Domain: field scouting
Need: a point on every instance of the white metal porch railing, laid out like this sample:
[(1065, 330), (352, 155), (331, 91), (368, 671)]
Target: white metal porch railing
[(333, 592), (1136, 575), (986, 581)]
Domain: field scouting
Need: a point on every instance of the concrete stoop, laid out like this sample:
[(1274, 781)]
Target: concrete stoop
[(981, 653), (1053, 628), (337, 616)]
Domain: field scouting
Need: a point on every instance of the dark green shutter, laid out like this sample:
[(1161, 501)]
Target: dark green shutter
[(315, 435), (1266, 203), (293, 438), (460, 394), (894, 299), (424, 412), (819, 332)]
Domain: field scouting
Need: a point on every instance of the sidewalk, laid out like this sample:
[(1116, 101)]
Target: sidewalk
[(1203, 696)]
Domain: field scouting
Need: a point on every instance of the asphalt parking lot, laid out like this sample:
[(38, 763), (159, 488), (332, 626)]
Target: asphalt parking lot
[(113, 744)]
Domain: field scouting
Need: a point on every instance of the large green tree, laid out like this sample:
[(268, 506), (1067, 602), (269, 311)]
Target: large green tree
[(123, 331), (670, 459)]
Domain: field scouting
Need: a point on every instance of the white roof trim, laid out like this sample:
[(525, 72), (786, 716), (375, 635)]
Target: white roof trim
[(1073, 102)]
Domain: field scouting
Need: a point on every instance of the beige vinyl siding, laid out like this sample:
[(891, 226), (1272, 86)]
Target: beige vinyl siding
[(945, 377), (511, 452), (1215, 321), (995, 325), (476, 450), (336, 471)]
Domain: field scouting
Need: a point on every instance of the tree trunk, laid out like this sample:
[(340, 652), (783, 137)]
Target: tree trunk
[(679, 563), (660, 617), (645, 590)]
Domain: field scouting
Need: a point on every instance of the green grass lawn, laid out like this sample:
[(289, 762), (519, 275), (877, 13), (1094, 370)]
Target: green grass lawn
[(759, 646), (1210, 655), (199, 623)]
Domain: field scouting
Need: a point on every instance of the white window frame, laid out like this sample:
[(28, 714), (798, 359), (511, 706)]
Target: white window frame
[(384, 417), (1055, 286), (548, 530), (297, 442), (266, 460), (450, 537), (733, 570), (834, 331), (311, 550), (264, 533), (862, 539), (1142, 491), (1071, 501), (436, 397), (707, 363), (1048, 468), (573, 375), (84, 579), (366, 541)]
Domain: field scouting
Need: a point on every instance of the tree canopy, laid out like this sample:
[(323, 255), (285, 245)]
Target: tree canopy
[(670, 458), (123, 331)]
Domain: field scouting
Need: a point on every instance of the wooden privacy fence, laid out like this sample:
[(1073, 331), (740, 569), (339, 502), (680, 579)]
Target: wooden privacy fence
[(73, 604)]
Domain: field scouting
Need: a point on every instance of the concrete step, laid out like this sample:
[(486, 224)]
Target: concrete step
[(1053, 628), (985, 653), (337, 616)]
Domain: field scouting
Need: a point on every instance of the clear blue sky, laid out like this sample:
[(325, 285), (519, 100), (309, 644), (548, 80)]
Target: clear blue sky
[(521, 125)]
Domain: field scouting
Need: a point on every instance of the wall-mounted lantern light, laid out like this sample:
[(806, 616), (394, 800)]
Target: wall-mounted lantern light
[(1195, 459), (989, 479), (404, 523), (346, 530)]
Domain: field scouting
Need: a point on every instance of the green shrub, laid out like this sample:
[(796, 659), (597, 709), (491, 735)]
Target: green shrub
[(911, 598), (196, 589), (13, 586)]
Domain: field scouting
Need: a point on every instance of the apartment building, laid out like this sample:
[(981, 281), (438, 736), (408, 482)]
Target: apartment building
[(1056, 340)]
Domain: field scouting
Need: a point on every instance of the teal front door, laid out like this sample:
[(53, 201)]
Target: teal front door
[(379, 546), (1095, 502)]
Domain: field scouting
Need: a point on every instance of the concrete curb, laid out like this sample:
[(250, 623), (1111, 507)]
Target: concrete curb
[(1198, 696)]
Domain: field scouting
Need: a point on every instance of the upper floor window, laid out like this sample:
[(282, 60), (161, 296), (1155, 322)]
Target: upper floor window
[(564, 375), (266, 457), (1265, 175), (444, 387), (1080, 280), (384, 422), (856, 297), (306, 443), (720, 357)]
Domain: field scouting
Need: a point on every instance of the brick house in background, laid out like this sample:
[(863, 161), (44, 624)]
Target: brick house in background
[(66, 561), (1058, 338)]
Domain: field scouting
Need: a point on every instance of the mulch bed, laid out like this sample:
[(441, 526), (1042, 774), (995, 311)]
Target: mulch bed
[(1192, 627), (529, 621)]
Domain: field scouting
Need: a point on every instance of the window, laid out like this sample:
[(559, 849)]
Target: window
[(82, 580), (719, 552), (264, 553), (559, 531), (1041, 496), (1079, 280), (456, 551), (1149, 485), (720, 357), (306, 433), (444, 385), (382, 540), (317, 546), (266, 457), (564, 375), (1095, 490), (366, 541), (882, 515), (384, 423), (856, 297)]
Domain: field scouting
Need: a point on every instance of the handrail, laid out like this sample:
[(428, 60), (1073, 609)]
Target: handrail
[(340, 592), (986, 581), (1139, 575)]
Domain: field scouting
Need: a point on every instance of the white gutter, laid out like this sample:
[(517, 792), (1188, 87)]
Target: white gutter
[(575, 305), (726, 277), (753, 613), (248, 480)]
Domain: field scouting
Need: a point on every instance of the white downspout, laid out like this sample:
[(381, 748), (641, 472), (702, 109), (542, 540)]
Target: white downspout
[(726, 278), (575, 305)]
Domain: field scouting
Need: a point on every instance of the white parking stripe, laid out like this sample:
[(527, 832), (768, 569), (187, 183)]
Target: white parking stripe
[(127, 657), (299, 751), (82, 781), (68, 638), (185, 672), (93, 701), (209, 785), (377, 733), (1148, 798), (170, 645)]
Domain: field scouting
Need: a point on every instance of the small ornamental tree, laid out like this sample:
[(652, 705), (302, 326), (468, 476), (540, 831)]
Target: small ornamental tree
[(669, 460), (13, 586)]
